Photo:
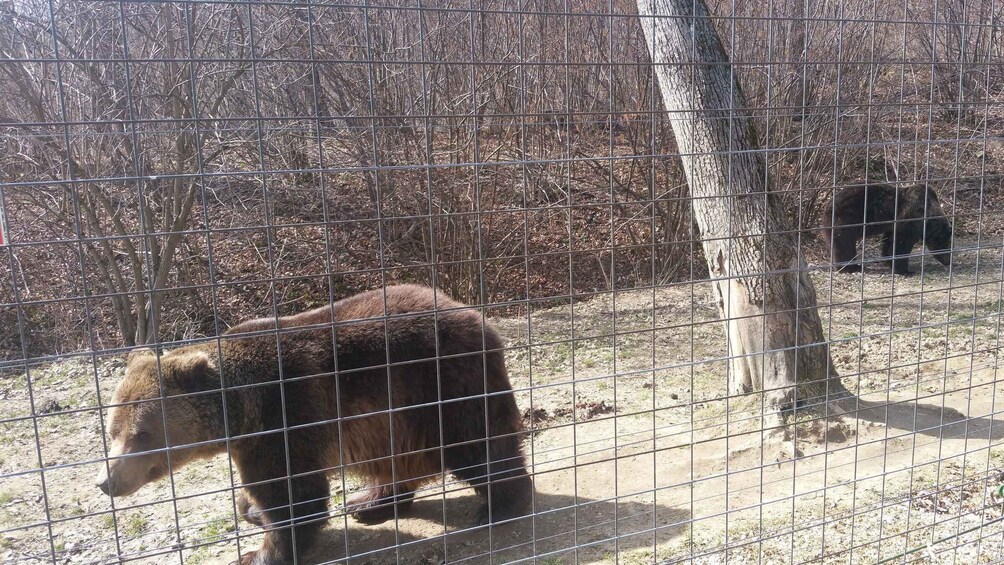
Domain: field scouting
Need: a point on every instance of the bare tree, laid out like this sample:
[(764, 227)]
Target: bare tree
[(965, 47), (775, 338), (129, 232), (113, 119)]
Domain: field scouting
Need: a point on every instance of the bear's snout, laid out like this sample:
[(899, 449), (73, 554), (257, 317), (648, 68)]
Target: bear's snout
[(122, 476), (117, 484), (103, 480)]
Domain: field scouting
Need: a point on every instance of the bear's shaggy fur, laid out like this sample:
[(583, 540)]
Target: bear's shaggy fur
[(384, 408), (902, 217)]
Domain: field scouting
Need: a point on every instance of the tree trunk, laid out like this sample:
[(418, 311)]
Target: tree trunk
[(775, 338)]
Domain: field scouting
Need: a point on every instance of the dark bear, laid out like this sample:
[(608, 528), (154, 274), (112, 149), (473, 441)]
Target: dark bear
[(902, 217), (406, 384)]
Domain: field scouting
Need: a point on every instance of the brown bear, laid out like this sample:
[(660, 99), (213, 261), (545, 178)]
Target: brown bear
[(406, 384), (901, 216)]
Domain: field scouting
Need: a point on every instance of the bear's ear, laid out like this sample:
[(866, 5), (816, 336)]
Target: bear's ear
[(932, 197), (189, 369), (137, 354)]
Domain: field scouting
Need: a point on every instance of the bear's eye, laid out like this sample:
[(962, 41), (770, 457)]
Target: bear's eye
[(141, 437)]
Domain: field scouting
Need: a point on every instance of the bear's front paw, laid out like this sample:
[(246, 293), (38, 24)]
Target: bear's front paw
[(249, 510), (483, 517), (377, 505), (497, 515), (258, 557)]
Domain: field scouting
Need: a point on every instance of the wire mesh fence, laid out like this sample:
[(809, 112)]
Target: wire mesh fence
[(221, 223)]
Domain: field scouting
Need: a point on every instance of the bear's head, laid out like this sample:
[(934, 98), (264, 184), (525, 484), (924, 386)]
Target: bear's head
[(158, 411), (937, 230)]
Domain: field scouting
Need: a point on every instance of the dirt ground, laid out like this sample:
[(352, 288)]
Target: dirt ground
[(655, 464)]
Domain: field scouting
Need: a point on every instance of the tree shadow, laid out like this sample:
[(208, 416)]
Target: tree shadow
[(942, 422), (435, 530)]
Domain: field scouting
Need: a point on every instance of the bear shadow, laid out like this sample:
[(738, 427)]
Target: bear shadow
[(560, 524)]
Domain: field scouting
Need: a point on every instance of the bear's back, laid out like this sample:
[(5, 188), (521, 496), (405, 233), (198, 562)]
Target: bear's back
[(392, 301), (437, 346), (398, 323), (872, 204)]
